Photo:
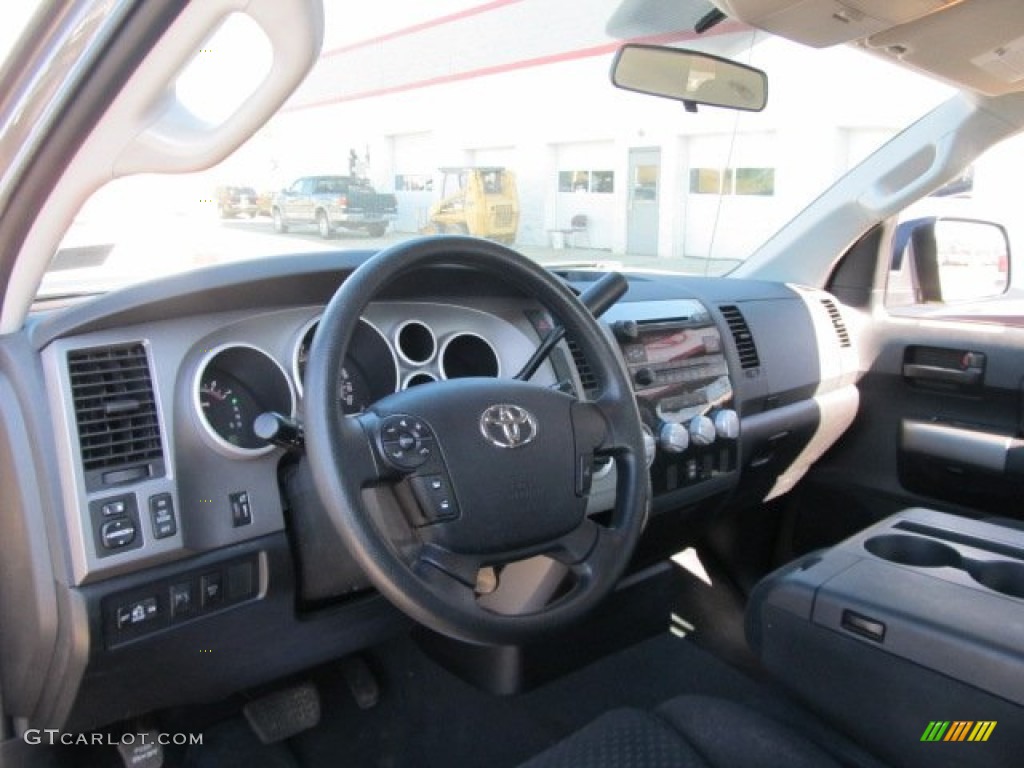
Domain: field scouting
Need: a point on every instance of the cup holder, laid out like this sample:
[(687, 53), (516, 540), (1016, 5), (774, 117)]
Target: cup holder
[(913, 550), (1003, 576), (1000, 576)]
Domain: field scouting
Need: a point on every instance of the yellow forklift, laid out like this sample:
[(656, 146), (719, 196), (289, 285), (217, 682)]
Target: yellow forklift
[(477, 201)]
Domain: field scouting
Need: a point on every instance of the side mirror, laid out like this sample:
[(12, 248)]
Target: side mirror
[(946, 260), (691, 77)]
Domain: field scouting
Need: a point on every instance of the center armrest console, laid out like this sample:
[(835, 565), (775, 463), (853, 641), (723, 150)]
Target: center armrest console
[(909, 636)]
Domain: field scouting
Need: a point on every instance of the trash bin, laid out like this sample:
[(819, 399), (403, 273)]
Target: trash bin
[(557, 239)]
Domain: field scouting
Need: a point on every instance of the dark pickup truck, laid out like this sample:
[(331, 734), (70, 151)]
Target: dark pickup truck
[(333, 202)]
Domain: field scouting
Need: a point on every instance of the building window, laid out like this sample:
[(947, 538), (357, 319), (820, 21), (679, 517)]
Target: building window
[(597, 182), (705, 181), (755, 181), (602, 182), (732, 181)]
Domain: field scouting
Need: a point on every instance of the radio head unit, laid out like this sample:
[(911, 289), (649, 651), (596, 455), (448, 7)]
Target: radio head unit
[(680, 377), (677, 367)]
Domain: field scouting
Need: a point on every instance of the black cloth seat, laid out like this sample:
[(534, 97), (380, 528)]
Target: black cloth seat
[(687, 732)]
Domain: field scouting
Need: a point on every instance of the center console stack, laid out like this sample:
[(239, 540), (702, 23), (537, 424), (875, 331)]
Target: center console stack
[(908, 634), (680, 376)]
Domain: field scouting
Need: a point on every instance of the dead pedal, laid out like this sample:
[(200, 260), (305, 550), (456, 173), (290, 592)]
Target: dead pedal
[(143, 751), (285, 713), (361, 682)]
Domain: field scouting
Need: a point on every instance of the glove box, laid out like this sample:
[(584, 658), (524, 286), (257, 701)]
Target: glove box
[(909, 636)]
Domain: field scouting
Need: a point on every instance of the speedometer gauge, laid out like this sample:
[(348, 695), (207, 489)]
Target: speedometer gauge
[(367, 374)]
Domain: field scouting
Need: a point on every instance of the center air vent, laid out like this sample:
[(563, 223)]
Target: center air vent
[(744, 340), (588, 378), (115, 410), (837, 322)]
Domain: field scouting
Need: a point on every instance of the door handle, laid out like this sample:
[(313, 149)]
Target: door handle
[(967, 377)]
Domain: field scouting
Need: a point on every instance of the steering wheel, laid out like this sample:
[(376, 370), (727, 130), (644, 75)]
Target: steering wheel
[(431, 484)]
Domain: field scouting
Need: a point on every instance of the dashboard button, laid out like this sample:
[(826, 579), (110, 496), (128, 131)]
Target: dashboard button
[(241, 511), (161, 509), (211, 589), (113, 508), (137, 612), (117, 534), (181, 599)]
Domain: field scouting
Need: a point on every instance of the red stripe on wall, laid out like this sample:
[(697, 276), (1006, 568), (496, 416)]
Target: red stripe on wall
[(438, 22), (540, 61)]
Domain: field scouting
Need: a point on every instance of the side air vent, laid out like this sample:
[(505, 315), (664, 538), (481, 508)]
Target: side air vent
[(588, 378), (115, 410), (745, 347), (837, 322)]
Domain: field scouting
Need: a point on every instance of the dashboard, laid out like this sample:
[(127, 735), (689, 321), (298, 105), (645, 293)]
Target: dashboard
[(171, 526)]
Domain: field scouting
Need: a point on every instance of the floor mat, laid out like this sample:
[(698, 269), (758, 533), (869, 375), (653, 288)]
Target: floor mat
[(428, 717)]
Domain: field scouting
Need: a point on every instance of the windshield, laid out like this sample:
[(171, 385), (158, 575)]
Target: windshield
[(498, 120)]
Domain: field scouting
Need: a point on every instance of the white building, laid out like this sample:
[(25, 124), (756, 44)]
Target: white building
[(644, 172)]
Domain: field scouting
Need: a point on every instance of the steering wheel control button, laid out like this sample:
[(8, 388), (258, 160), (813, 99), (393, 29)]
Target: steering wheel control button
[(434, 494), (406, 442), (241, 509), (161, 510), (117, 534)]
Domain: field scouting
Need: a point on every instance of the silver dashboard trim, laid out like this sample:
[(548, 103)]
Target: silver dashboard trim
[(86, 564)]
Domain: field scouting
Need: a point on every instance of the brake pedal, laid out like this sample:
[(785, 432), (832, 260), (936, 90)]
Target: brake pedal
[(285, 713), (361, 681)]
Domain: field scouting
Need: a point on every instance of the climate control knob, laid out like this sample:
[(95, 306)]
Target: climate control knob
[(702, 430), (727, 424), (673, 438)]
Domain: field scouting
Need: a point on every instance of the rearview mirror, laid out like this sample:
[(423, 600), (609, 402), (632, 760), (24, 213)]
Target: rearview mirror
[(691, 77)]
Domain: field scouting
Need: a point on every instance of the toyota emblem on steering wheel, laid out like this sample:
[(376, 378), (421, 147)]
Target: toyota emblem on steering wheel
[(508, 426)]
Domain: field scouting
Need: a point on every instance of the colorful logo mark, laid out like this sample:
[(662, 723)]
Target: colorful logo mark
[(958, 730)]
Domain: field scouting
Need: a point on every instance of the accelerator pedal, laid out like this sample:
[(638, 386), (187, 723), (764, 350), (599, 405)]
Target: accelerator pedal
[(285, 713)]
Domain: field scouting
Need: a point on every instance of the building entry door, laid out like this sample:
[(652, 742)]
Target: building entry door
[(644, 191)]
